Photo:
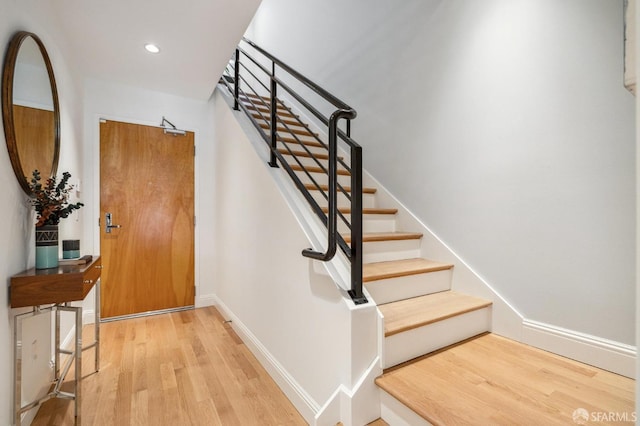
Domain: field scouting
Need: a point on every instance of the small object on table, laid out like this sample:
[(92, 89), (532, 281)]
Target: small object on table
[(70, 249), (81, 261)]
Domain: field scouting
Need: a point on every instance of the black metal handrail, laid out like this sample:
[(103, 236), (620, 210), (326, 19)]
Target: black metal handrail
[(238, 78)]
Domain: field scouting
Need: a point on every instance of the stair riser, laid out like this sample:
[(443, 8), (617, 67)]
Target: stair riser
[(368, 200), (399, 288), (371, 223), (396, 413), (390, 250), (410, 344)]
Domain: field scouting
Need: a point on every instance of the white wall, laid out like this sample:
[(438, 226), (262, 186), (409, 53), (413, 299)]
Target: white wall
[(297, 321), (503, 125), (17, 235), (140, 106)]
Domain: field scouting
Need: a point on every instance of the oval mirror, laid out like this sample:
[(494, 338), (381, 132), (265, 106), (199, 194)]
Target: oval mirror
[(30, 112)]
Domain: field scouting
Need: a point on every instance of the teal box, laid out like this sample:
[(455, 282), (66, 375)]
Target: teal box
[(70, 249)]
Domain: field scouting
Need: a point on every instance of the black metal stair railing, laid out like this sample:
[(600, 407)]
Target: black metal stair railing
[(251, 78)]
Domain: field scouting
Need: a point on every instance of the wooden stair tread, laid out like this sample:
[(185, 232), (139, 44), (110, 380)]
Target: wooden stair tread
[(408, 314), (312, 187), (347, 210), (493, 380), (265, 109), (265, 99), (298, 131), (290, 122), (280, 119), (297, 168), (248, 98), (254, 96), (372, 237), (401, 268), (297, 153), (313, 143)]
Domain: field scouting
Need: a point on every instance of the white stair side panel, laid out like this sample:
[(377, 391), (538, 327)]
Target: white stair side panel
[(400, 288), (381, 251), (410, 344), (368, 200), (396, 413)]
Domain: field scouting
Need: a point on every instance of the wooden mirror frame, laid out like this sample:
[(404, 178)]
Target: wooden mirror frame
[(8, 73)]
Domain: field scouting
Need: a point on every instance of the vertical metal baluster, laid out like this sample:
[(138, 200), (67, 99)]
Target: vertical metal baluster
[(356, 292), (274, 116), (78, 360), (332, 226), (56, 361), (17, 369), (97, 325), (236, 80)]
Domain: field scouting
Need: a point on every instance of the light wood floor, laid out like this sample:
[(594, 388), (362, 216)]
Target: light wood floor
[(178, 369), (189, 368), (490, 380)]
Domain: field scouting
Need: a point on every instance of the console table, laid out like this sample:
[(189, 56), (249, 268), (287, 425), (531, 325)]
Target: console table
[(53, 290)]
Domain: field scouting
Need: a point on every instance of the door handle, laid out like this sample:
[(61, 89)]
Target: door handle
[(109, 226)]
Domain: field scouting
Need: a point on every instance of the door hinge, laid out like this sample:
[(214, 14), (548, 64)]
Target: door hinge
[(194, 150), (194, 221), (98, 222)]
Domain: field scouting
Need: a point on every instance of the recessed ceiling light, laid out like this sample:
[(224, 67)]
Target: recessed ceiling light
[(152, 48)]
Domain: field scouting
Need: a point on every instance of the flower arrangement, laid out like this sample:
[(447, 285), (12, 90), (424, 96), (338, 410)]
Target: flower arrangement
[(51, 200)]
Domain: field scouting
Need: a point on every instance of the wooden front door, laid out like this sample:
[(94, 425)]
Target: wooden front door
[(146, 184)]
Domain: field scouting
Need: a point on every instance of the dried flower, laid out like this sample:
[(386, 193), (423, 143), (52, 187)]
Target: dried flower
[(51, 200)]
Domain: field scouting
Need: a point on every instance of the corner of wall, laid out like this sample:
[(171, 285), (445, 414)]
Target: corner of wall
[(602, 353), (291, 388)]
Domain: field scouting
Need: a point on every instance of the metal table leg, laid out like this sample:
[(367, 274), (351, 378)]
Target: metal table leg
[(77, 357), (97, 325), (17, 370)]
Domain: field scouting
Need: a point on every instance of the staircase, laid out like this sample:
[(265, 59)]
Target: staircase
[(421, 312)]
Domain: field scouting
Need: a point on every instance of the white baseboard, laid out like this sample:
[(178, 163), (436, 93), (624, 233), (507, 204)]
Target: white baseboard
[(602, 353), (329, 413), (303, 402), (358, 406), (205, 300), (361, 405)]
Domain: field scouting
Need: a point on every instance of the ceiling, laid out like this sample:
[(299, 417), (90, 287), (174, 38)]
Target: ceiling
[(196, 38)]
